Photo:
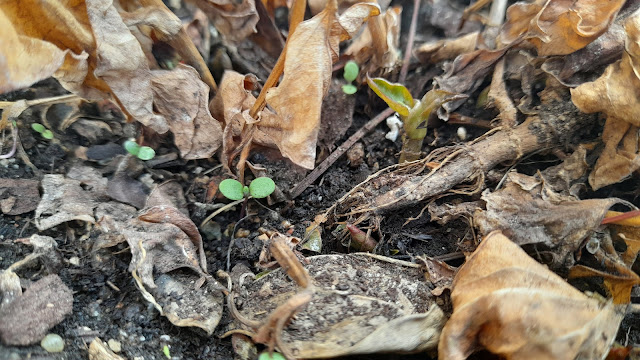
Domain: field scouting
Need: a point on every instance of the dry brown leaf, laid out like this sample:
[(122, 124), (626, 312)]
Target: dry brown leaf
[(183, 99), (447, 49), (18, 196), (25, 60), (614, 93), (234, 19), (297, 100), (509, 304), (63, 200), (378, 55), (529, 212), (559, 27), (618, 285)]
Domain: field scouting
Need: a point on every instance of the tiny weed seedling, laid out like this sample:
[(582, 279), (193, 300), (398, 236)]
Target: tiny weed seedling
[(259, 188), (141, 152), (273, 356), (414, 113), (39, 128), (351, 71)]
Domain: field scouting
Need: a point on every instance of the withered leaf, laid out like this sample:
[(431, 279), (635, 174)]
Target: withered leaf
[(183, 99), (63, 200), (500, 295), (559, 27), (234, 19), (310, 53), (18, 196)]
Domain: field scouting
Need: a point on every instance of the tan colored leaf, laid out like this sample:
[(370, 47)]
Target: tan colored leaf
[(618, 285), (509, 304), (381, 53), (559, 27), (64, 200), (234, 19), (25, 60), (310, 53), (614, 94), (447, 49), (183, 99)]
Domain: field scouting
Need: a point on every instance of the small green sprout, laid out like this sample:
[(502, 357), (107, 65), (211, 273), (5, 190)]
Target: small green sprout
[(259, 188), (413, 112), (165, 351), (39, 128), (275, 356), (141, 152), (351, 71)]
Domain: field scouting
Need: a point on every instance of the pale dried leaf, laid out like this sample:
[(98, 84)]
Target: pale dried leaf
[(509, 304), (344, 322), (183, 99), (63, 200), (234, 19), (559, 27), (310, 53), (18, 196), (447, 49)]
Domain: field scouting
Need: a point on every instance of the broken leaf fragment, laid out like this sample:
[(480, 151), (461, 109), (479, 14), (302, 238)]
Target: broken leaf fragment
[(509, 304)]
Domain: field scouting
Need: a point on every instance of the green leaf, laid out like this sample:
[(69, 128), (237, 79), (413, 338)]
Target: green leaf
[(38, 127), (165, 351), (433, 99), (349, 89), (275, 356), (47, 134), (146, 153), (351, 70), (231, 189), (395, 95), (132, 147), (261, 187)]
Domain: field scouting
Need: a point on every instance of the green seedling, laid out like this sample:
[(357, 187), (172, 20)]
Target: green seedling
[(141, 152), (165, 351), (414, 113), (351, 71), (273, 356), (39, 128), (259, 188)]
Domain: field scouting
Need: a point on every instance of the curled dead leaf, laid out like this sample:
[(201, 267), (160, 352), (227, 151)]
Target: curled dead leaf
[(509, 304)]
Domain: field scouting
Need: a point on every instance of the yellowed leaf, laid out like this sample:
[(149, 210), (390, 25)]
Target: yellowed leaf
[(615, 94), (618, 285), (310, 53), (183, 99), (559, 27), (509, 304)]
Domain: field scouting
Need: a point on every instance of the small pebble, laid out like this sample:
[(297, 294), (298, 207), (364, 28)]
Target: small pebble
[(142, 338), (74, 260), (356, 155), (114, 345), (52, 343), (462, 133), (242, 233), (197, 170), (165, 338)]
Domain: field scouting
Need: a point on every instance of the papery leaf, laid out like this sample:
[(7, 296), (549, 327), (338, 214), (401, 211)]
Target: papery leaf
[(501, 294), (435, 99), (618, 285), (310, 53), (397, 96)]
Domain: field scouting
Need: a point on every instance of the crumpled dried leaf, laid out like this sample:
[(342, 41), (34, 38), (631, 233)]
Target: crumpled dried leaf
[(614, 93), (234, 19), (378, 56), (183, 99), (63, 200), (529, 212), (340, 319), (509, 304), (447, 49), (297, 100), (559, 27), (98, 350), (18, 196), (25, 60)]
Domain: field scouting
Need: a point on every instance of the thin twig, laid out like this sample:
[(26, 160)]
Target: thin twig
[(224, 208), (412, 34), (315, 174)]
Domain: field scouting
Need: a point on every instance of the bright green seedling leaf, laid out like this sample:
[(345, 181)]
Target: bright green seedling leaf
[(261, 187), (146, 153), (349, 89), (245, 190), (395, 95), (165, 350), (231, 189), (132, 147), (47, 134), (38, 127), (351, 70), (275, 356)]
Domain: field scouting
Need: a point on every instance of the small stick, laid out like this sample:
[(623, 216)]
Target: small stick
[(315, 174), (412, 33)]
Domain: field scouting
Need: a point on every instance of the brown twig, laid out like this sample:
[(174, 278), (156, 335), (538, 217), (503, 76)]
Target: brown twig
[(412, 34)]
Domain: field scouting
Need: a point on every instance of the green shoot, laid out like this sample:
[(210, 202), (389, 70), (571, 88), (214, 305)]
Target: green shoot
[(275, 356), (165, 351), (141, 152), (44, 132), (351, 71), (259, 188), (414, 113)]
